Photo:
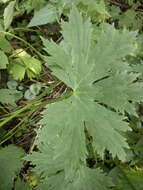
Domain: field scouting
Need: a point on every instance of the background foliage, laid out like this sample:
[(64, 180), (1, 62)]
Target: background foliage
[(71, 94)]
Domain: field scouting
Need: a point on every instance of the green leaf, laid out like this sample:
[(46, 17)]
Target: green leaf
[(138, 68), (44, 16), (112, 46), (3, 60), (35, 88), (82, 64), (117, 92), (12, 84), (24, 64), (130, 19), (29, 95), (4, 44), (8, 14), (84, 179), (9, 96), (17, 71), (10, 165)]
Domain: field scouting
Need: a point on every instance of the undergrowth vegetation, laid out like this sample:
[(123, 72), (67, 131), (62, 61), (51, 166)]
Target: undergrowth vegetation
[(71, 95)]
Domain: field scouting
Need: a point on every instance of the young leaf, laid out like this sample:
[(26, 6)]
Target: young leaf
[(10, 165), (12, 84), (8, 14), (24, 64), (29, 95), (17, 71), (35, 88)]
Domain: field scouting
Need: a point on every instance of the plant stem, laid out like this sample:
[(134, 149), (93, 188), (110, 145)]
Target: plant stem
[(32, 110), (25, 42), (28, 106)]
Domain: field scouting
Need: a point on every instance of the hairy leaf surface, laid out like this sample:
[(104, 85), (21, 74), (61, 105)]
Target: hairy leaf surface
[(83, 66), (119, 90), (84, 179)]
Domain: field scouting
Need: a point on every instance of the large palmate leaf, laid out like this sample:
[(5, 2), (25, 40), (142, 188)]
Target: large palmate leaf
[(10, 165), (92, 72)]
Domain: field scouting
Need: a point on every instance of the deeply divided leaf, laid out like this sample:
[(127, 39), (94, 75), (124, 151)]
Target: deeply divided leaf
[(94, 73)]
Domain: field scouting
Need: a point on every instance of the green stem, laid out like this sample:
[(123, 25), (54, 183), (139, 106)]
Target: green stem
[(25, 42), (12, 132), (33, 109), (28, 106), (25, 29)]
